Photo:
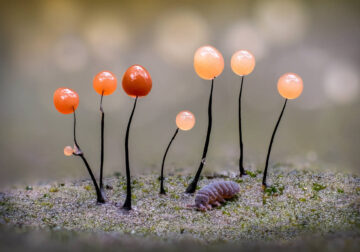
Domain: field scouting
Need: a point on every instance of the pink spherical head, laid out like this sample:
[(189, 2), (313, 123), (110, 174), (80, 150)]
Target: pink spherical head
[(290, 85), (242, 62), (66, 100), (105, 83), (185, 120), (208, 62)]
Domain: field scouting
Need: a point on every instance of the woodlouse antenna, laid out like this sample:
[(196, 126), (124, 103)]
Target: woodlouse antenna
[(201, 208)]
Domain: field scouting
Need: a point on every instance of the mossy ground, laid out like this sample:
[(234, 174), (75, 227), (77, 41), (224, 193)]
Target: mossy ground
[(298, 203)]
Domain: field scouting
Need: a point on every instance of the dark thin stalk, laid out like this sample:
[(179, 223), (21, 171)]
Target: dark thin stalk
[(102, 143), (76, 144), (241, 160), (271, 142), (78, 152), (192, 186), (100, 198), (162, 191), (127, 204)]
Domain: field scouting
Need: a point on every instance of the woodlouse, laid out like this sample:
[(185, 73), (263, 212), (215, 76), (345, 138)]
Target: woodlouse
[(214, 194)]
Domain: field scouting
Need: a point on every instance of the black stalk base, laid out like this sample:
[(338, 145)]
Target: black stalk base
[(264, 186), (103, 193), (243, 174), (191, 187), (162, 191), (127, 204)]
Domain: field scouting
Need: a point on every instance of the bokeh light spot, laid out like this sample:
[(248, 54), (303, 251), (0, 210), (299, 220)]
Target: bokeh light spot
[(242, 34), (179, 33), (107, 37), (341, 83), (70, 54), (282, 21)]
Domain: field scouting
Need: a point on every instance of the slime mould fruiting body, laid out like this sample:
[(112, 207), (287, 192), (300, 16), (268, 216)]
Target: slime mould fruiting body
[(214, 194)]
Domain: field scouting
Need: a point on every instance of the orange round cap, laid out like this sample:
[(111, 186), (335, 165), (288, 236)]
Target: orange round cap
[(66, 100), (185, 120), (208, 62), (105, 83), (290, 85), (137, 81), (68, 151), (242, 62)]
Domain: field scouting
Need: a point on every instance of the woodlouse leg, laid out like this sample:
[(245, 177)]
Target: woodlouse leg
[(216, 203), (202, 208), (221, 200), (209, 207)]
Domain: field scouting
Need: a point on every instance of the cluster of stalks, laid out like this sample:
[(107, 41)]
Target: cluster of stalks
[(136, 82)]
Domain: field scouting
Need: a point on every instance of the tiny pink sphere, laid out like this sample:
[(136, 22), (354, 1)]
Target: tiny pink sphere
[(185, 120), (68, 151)]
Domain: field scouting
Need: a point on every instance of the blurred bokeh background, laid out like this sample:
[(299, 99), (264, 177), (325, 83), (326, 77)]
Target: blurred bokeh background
[(49, 44)]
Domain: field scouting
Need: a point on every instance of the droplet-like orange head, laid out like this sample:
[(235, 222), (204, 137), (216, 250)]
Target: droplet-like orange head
[(66, 100), (137, 81), (290, 85), (185, 120), (68, 151), (242, 62), (105, 83), (208, 62)]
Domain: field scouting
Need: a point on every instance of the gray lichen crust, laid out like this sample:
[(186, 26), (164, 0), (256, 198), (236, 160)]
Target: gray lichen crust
[(298, 202)]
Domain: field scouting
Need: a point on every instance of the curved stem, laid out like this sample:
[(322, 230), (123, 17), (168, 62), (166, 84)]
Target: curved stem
[(241, 159), (162, 190), (271, 142), (102, 142), (78, 152), (192, 186), (127, 204), (100, 198)]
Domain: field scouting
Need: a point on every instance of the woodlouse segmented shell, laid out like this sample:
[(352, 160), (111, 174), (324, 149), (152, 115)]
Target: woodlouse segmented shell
[(215, 193)]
